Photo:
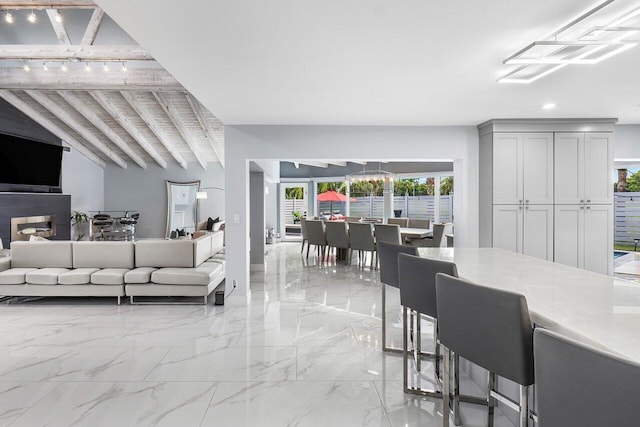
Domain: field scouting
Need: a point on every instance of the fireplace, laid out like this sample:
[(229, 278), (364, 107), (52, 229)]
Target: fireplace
[(22, 228)]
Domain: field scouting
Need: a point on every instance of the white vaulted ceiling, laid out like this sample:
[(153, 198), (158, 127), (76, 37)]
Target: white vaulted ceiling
[(140, 116), (374, 62)]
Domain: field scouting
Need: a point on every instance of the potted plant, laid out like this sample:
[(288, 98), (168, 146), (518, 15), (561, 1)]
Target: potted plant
[(77, 219), (297, 216)]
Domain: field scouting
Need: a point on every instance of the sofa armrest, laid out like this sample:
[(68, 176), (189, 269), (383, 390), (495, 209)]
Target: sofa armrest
[(5, 263)]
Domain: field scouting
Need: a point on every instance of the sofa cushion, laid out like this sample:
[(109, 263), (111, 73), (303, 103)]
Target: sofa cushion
[(78, 276), (139, 275), (14, 276), (201, 275), (41, 254), (103, 254), (218, 259), (164, 253), (109, 276), (201, 249), (45, 276)]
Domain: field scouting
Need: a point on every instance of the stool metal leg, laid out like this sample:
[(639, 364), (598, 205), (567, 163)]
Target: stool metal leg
[(456, 389), (418, 343), (490, 399), (445, 387), (437, 344), (524, 406)]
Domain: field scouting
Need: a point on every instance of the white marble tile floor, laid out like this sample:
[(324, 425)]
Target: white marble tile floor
[(303, 349)]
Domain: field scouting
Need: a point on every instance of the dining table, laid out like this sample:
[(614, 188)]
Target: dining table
[(415, 233), (595, 309)]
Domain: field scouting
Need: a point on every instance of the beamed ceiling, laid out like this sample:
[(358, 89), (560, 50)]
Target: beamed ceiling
[(83, 79)]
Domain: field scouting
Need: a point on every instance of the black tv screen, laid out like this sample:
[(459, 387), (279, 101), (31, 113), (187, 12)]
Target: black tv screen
[(27, 162)]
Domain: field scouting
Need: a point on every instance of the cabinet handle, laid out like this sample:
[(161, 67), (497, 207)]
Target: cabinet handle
[(526, 201), (581, 207), (519, 208), (520, 201), (581, 201), (588, 201), (588, 207)]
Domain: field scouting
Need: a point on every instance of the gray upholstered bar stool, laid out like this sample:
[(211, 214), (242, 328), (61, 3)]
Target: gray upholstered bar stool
[(317, 236), (417, 278), (488, 327), (581, 386), (388, 255)]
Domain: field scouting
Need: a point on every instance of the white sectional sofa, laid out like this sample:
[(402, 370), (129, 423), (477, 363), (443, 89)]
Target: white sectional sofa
[(148, 268)]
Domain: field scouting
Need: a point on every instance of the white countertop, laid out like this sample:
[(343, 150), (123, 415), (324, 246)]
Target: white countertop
[(599, 310)]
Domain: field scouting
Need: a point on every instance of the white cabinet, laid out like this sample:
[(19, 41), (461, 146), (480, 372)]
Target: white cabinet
[(583, 168), (524, 229), (583, 237), (522, 168)]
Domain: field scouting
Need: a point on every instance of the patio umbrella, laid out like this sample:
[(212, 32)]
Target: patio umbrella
[(333, 196)]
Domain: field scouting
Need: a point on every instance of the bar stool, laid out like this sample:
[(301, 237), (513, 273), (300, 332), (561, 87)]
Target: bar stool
[(388, 255), (491, 328), (417, 278), (578, 385)]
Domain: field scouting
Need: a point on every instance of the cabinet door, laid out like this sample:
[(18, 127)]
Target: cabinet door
[(598, 168), (569, 168), (598, 239), (538, 231), (568, 246), (507, 169), (507, 227), (537, 168)]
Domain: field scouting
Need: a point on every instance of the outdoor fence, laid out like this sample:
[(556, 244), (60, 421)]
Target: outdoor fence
[(419, 207), (627, 218), (292, 205)]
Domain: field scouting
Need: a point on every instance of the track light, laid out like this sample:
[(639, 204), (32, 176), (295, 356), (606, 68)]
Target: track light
[(8, 18), (105, 67), (26, 67), (58, 17), (63, 67), (87, 67), (44, 66), (124, 67), (32, 17)]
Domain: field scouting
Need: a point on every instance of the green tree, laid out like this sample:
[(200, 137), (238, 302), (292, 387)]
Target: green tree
[(446, 185), (633, 182), (294, 193)]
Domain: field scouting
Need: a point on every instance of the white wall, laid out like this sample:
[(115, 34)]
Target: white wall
[(627, 142), (271, 206), (244, 143), (145, 190), (84, 180)]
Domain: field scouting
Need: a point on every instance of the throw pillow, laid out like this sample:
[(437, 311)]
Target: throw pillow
[(210, 224)]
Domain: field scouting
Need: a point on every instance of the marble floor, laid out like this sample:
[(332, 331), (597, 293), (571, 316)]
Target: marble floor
[(303, 349)]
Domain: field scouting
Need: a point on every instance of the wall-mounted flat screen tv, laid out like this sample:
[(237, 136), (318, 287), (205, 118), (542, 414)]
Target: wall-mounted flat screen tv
[(34, 165)]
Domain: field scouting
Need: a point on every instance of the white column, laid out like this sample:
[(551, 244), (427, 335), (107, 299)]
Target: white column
[(347, 203), (387, 200), (436, 200)]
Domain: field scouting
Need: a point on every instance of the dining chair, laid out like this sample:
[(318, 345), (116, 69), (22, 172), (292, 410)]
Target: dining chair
[(490, 328), (419, 223), (388, 256), (338, 237), (402, 222), (388, 233), (316, 236), (361, 239), (430, 242), (578, 385), (303, 232)]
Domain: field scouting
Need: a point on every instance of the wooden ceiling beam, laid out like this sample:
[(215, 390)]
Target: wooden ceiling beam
[(47, 4), (49, 125), (151, 123), (170, 110), (69, 52), (197, 110), (87, 112), (53, 79), (103, 100), (82, 130), (58, 27), (92, 28)]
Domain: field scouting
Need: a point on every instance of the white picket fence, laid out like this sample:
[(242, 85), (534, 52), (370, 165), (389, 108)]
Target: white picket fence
[(419, 207), (627, 218)]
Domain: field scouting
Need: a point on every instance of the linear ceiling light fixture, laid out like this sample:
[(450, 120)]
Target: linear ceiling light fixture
[(583, 41)]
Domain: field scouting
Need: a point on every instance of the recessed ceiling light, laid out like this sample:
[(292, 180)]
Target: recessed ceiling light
[(8, 18), (32, 17), (549, 106), (58, 16)]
